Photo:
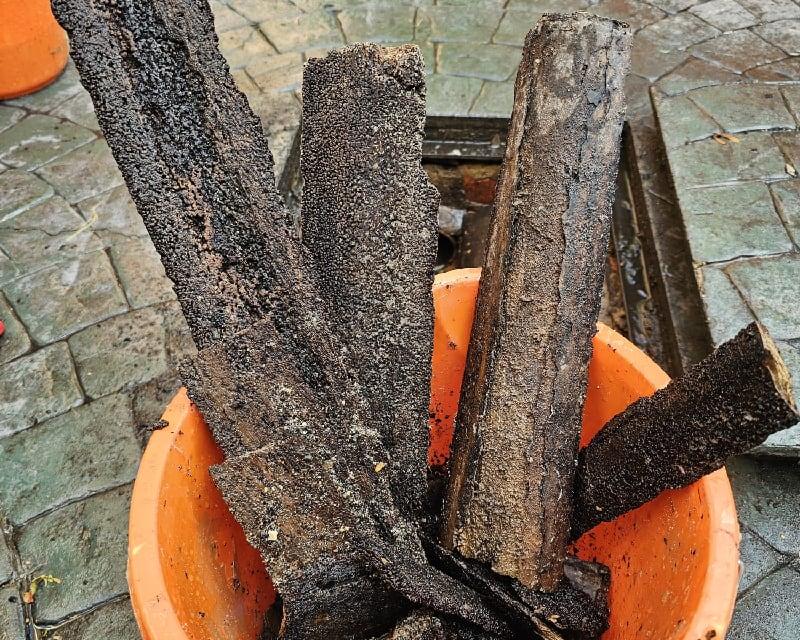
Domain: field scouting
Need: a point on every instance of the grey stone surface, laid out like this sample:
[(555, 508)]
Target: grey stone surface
[(114, 620), (244, 46), (771, 288), (686, 121), (738, 51), (636, 14), (36, 387), (38, 139), (278, 73), (726, 311), (383, 23), (784, 34), (757, 560), (43, 101), (447, 95), (15, 341), (305, 31), (42, 235), (787, 200), (745, 108), (120, 352), (141, 273), (82, 544), (59, 300), (768, 500), (692, 74), (488, 61), (755, 156), (113, 215), (514, 26), (677, 32), (86, 450), (6, 567), (454, 24), (496, 99), (78, 109), (83, 173), (12, 626), (723, 223), (20, 190), (9, 115), (770, 611), (725, 15)]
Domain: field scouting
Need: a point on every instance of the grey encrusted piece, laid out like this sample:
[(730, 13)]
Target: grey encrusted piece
[(516, 438), (423, 624), (723, 406), (369, 223), (192, 153)]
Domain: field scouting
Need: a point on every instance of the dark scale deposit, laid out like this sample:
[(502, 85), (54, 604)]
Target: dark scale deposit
[(315, 342)]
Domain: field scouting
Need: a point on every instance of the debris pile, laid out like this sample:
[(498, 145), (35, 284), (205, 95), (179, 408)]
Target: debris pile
[(313, 370)]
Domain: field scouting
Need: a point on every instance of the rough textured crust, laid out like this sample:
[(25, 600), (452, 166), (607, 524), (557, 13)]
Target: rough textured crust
[(369, 224), (723, 406), (509, 498), (192, 153)]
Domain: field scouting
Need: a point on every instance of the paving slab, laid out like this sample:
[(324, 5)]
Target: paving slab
[(380, 23), (113, 216), (121, 352), (724, 223), (787, 201), (692, 74), (44, 234), (141, 273), (725, 15), (20, 190), (447, 95), (726, 310), (494, 62), (243, 46), (454, 24), (114, 620), (784, 34), (78, 109), (36, 387), (59, 300), (757, 560), (86, 450), (84, 545), (768, 500), (38, 139), (637, 14), (738, 51), (304, 31), (9, 115), (278, 73), (6, 566), (771, 288), (744, 107), (15, 341), (496, 100), (757, 616), (12, 626), (514, 26), (83, 173), (771, 10)]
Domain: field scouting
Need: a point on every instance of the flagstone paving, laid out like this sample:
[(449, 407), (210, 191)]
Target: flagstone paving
[(93, 331)]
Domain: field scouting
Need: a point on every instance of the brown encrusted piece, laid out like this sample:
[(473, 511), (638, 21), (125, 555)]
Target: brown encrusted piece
[(516, 438), (723, 406), (369, 224), (193, 156), (577, 609)]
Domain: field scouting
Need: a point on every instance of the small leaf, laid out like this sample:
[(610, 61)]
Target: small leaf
[(380, 467), (791, 170)]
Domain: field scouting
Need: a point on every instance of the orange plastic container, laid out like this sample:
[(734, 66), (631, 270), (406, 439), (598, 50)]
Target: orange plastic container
[(33, 47), (193, 576)]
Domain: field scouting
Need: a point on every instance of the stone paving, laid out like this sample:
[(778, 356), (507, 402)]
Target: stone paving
[(94, 331), (740, 199)]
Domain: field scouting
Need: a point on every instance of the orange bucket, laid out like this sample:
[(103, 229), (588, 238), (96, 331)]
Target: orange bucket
[(193, 576), (33, 47)]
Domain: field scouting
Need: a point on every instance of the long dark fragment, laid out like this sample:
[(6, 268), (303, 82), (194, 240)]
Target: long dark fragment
[(192, 153), (577, 609), (516, 438), (723, 406), (369, 224), (422, 624)]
